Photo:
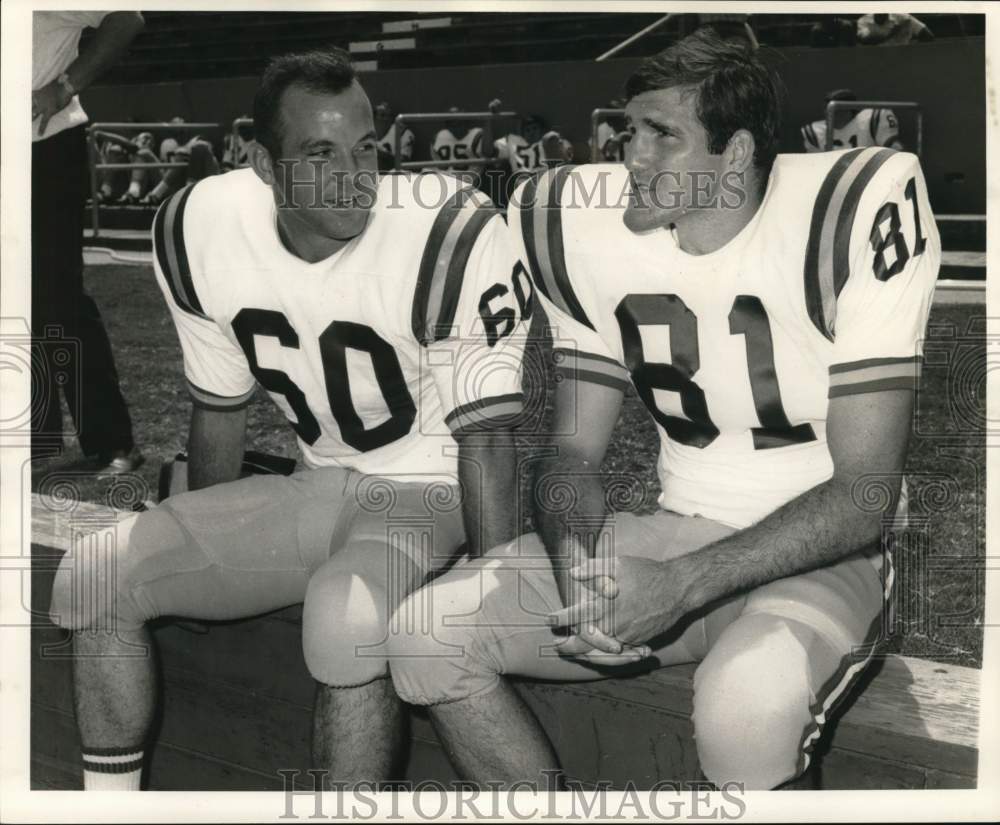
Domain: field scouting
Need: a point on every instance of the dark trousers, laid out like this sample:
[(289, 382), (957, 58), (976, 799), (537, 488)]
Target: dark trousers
[(70, 347)]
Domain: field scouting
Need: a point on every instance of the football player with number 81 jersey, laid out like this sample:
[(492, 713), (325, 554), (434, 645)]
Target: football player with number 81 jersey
[(385, 320), (768, 311)]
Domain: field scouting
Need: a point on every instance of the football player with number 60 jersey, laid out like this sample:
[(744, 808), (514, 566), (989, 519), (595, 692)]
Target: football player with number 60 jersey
[(768, 312), (385, 319)]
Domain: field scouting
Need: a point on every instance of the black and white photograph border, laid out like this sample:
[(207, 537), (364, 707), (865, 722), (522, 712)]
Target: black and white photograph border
[(917, 738)]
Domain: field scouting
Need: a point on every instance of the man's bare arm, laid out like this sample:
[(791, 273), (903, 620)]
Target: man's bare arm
[(116, 32), (584, 417), (215, 446), (487, 470), (867, 436)]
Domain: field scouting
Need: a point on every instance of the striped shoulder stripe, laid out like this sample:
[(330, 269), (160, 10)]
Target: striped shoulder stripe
[(873, 123), (874, 375), (541, 228), (487, 413), (810, 134), (171, 252), (212, 401), (442, 268), (572, 365), (827, 262)]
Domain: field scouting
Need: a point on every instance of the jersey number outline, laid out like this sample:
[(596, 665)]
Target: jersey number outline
[(747, 318)]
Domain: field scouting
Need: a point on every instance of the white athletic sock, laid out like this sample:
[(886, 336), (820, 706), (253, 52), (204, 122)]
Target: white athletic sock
[(112, 769), (135, 189)]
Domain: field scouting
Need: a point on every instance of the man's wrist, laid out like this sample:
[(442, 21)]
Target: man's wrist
[(692, 577)]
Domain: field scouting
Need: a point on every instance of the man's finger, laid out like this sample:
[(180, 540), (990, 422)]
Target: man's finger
[(578, 613), (591, 569)]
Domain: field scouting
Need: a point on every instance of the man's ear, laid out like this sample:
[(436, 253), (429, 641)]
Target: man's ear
[(262, 163), (740, 151)]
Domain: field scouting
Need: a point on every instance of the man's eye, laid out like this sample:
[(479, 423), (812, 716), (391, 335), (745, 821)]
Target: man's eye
[(366, 147)]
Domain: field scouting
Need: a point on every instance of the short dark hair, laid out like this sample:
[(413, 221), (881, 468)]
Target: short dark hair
[(320, 70), (735, 89)]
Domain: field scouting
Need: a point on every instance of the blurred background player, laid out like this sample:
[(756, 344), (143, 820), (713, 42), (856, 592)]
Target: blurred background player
[(197, 152), (235, 151), (868, 127), (611, 140), (891, 29), (58, 193), (448, 146), (385, 129), (536, 148), (120, 185)]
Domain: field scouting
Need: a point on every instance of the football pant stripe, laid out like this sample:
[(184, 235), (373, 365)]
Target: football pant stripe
[(529, 197), (555, 257), (212, 401), (841, 260), (864, 363), (494, 411), (459, 260), (811, 275), (433, 266), (836, 688)]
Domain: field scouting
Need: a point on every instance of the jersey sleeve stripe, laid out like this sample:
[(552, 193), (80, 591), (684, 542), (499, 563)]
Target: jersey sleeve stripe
[(841, 261), (873, 124), (851, 366), (910, 370), (432, 276), (549, 241), (459, 260), (171, 253), (497, 411), (529, 198), (818, 274), (898, 383), (211, 401), (582, 366)]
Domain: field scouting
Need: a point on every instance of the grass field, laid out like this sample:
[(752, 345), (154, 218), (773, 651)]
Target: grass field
[(940, 557)]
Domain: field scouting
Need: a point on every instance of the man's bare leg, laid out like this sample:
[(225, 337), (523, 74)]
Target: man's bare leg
[(357, 731), (114, 677), (494, 737)]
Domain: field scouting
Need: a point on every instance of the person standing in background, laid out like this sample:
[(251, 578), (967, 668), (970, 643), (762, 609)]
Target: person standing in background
[(58, 194)]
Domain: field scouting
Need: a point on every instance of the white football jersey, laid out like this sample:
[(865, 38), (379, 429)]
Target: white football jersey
[(525, 157), (448, 147), (736, 353), (869, 127), (376, 355)]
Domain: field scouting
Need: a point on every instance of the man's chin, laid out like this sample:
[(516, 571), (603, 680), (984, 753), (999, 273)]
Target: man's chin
[(644, 219)]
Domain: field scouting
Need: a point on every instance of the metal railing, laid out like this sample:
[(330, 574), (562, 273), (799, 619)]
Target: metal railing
[(596, 117), (234, 134), (97, 166), (488, 119), (835, 106)]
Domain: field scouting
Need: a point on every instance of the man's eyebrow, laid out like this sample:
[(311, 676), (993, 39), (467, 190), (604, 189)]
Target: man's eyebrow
[(317, 143), (370, 135), (658, 124)]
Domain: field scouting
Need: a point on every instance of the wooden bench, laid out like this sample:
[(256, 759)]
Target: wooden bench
[(237, 705)]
